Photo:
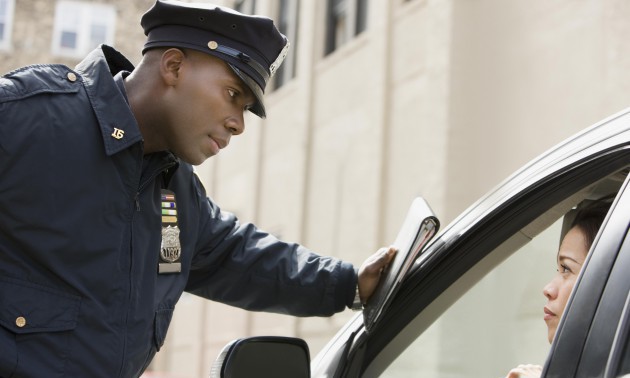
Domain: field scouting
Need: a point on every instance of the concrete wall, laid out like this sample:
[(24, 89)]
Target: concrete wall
[(439, 98), (524, 76)]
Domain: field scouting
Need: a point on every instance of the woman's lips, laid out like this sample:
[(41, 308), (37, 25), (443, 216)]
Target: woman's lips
[(548, 314)]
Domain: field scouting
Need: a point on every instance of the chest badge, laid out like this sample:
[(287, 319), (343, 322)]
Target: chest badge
[(171, 248)]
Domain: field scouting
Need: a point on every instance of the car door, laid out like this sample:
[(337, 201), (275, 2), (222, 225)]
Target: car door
[(480, 242)]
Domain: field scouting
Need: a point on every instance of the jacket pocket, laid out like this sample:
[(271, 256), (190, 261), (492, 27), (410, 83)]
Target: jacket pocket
[(162, 320), (37, 321), (8, 357)]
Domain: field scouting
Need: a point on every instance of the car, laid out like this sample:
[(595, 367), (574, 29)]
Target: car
[(458, 311)]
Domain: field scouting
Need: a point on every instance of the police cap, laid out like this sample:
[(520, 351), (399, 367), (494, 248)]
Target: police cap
[(251, 45)]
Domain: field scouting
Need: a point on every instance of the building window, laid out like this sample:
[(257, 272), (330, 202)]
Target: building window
[(361, 17), (245, 6), (80, 27), (344, 20), (6, 23), (288, 25)]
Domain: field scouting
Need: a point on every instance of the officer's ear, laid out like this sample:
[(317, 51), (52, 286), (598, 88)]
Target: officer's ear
[(170, 65)]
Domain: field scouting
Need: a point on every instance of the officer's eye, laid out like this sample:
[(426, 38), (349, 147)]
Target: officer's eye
[(232, 93)]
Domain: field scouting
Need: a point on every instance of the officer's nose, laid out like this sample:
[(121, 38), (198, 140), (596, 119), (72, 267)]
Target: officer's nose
[(235, 125)]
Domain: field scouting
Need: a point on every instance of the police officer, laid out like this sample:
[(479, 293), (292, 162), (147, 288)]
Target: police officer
[(103, 223)]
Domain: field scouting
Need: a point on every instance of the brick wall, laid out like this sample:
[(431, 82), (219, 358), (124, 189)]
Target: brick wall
[(33, 26)]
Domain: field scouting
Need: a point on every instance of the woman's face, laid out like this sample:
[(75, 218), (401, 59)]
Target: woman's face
[(570, 259)]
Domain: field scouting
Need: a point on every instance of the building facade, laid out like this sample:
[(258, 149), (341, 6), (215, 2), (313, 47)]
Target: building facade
[(380, 101)]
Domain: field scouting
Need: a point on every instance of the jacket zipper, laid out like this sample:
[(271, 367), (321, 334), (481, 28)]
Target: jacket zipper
[(141, 187), (143, 184)]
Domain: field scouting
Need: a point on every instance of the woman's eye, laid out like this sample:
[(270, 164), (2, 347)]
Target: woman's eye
[(564, 269)]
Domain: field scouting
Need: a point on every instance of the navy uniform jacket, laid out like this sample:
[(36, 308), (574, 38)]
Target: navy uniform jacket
[(80, 233)]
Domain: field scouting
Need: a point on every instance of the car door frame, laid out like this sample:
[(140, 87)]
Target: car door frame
[(453, 257), (426, 284), (567, 168), (593, 317)]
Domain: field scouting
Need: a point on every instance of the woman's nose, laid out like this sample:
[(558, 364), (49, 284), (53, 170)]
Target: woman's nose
[(550, 291)]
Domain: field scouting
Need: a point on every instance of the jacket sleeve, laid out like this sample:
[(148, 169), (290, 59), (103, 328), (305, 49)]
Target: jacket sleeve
[(240, 265)]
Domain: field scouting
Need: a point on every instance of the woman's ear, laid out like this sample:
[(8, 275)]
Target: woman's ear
[(170, 65)]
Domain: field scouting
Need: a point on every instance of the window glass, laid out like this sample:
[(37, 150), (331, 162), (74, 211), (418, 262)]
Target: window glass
[(80, 27), (336, 24), (98, 34), (344, 20), (361, 23), (495, 326), (245, 6), (288, 25), (6, 22), (491, 319), (68, 39), (3, 16)]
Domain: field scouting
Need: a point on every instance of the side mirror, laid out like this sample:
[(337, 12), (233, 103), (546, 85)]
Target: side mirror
[(263, 356)]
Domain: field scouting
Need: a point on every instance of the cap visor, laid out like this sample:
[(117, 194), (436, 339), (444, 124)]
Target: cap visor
[(259, 107)]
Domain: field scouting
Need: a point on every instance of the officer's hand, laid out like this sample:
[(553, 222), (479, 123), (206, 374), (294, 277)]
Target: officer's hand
[(370, 271)]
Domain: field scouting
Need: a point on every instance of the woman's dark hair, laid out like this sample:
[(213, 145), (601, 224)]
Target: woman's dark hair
[(590, 218)]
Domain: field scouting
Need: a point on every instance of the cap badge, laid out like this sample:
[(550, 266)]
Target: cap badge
[(283, 54)]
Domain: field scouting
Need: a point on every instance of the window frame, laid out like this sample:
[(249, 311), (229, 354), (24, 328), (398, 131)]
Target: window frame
[(432, 277), (354, 14), (86, 14), (288, 15), (586, 330), (453, 253)]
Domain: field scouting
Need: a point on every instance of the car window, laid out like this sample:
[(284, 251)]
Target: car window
[(493, 327), (489, 319)]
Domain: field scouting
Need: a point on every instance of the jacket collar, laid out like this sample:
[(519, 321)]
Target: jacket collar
[(118, 125)]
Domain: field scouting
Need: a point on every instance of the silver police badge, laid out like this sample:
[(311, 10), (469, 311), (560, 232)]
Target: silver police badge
[(171, 249)]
